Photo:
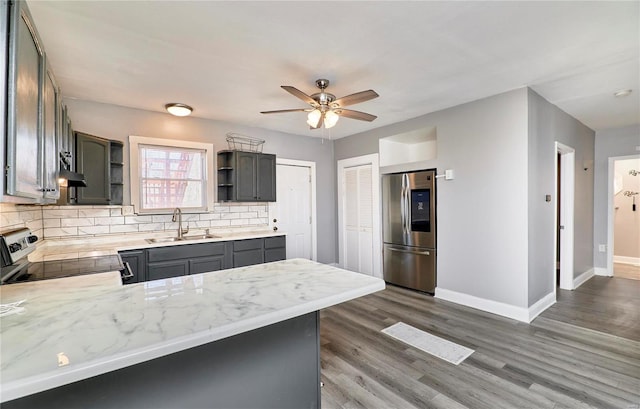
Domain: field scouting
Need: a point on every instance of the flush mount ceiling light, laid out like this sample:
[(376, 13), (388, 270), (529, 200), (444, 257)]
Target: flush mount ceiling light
[(622, 93), (178, 109)]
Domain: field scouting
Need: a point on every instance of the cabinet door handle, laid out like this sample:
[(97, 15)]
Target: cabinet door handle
[(126, 273)]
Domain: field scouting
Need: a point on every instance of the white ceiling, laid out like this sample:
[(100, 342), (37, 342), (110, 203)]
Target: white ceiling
[(228, 59)]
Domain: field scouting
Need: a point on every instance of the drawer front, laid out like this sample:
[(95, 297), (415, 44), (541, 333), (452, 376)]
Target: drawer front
[(184, 251), (248, 257), (275, 242), (206, 264), (275, 255), (156, 271), (241, 245)]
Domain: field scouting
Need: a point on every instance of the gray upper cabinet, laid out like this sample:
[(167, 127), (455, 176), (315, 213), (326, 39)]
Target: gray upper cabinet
[(93, 159), (246, 177), (266, 178), (50, 138), (246, 184), (31, 98), (24, 91)]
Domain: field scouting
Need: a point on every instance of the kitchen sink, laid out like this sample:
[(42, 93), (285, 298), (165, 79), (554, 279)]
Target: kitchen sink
[(163, 239), (201, 236), (191, 237)]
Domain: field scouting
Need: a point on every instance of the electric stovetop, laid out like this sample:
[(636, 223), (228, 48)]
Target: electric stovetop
[(45, 270)]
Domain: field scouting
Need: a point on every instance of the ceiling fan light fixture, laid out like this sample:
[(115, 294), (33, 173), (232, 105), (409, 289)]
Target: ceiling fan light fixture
[(330, 119), (178, 109), (313, 117)]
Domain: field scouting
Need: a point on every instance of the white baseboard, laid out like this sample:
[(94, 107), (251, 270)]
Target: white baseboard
[(494, 307), (542, 304), (627, 260), (578, 281), (333, 264), (601, 271)]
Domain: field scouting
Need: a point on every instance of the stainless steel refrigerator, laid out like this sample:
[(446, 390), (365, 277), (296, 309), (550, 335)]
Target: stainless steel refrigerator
[(409, 229)]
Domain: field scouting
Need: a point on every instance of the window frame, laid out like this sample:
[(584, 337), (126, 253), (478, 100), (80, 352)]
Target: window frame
[(135, 171)]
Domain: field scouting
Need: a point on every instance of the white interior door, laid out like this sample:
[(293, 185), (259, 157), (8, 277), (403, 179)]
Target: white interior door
[(294, 211), (358, 219), (359, 215), (566, 213)]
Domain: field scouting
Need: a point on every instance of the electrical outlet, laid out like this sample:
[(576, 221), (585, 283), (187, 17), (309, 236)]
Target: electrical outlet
[(602, 248)]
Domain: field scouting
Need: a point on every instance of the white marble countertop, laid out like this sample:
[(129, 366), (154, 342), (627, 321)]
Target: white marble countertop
[(78, 327), (64, 249)]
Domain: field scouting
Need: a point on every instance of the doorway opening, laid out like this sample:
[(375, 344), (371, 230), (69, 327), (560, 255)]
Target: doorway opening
[(565, 188), (624, 198)]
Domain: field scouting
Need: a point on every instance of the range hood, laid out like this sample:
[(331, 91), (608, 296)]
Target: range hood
[(74, 179)]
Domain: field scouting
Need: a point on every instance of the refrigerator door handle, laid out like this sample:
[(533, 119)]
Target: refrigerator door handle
[(422, 253), (406, 209), (403, 194)]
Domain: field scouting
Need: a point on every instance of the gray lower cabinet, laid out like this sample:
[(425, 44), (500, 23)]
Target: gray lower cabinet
[(248, 252), (275, 249), (167, 269), (179, 260), (276, 366), (206, 264), (174, 261)]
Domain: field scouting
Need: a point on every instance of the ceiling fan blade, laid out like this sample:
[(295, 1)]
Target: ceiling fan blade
[(299, 94), (319, 124), (286, 110), (362, 116), (356, 98)]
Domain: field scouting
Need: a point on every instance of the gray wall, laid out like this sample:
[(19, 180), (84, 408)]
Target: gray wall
[(608, 143), (116, 122), (482, 214), (547, 124)]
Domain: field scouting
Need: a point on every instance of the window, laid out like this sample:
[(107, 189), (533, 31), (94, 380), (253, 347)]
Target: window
[(166, 174)]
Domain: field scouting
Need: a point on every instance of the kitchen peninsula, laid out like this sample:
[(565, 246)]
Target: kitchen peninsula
[(243, 337)]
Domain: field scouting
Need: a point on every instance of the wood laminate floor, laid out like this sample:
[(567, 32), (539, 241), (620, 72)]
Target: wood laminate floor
[(629, 271), (559, 361)]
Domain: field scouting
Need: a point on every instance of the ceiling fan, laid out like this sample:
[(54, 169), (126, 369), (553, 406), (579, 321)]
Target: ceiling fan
[(325, 108)]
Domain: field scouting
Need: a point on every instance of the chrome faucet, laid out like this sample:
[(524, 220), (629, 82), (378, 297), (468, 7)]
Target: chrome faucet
[(181, 232)]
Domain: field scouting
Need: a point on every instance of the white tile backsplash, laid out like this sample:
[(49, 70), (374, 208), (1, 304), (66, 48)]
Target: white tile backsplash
[(14, 216), (93, 230), (80, 221), (94, 212), (59, 213), (123, 228), (50, 223), (151, 227), (107, 221), (68, 221)]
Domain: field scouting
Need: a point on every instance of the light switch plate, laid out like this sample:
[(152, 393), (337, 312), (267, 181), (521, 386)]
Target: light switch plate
[(602, 248), (448, 174)]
